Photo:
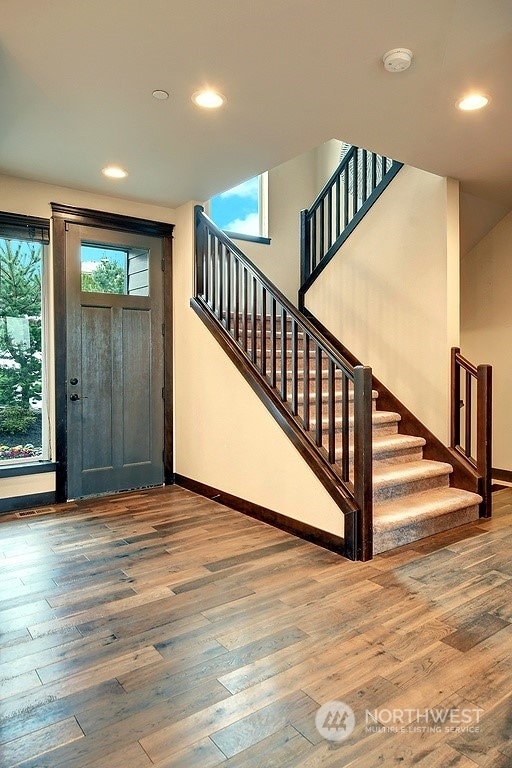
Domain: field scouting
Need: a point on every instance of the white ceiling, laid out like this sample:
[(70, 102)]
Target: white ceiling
[(76, 78)]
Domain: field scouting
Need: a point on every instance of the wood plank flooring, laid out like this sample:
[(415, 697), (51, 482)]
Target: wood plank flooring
[(159, 628)]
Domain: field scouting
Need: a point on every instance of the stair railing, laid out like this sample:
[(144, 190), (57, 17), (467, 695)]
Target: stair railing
[(471, 420), (355, 185), (327, 397)]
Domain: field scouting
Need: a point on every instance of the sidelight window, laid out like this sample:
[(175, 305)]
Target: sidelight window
[(22, 366)]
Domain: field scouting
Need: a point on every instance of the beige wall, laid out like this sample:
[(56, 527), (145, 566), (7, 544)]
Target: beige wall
[(486, 325), (391, 293), (33, 199), (225, 437), (292, 187)]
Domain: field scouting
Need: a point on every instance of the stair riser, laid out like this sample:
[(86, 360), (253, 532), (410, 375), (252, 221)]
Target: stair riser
[(388, 459), (401, 489), (378, 428)]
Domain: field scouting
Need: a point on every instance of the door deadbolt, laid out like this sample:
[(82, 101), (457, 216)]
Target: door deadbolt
[(73, 381)]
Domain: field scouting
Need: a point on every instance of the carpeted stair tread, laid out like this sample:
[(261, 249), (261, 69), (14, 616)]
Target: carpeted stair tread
[(398, 479), (386, 447), (337, 395), (424, 504), (382, 421), (391, 449), (420, 515), (385, 443), (389, 444)]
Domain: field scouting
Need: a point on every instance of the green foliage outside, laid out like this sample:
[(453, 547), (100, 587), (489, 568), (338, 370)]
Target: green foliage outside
[(20, 334), (107, 277), (20, 297), (15, 419)]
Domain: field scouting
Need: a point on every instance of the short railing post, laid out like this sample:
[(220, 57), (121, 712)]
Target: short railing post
[(484, 436), (199, 251), (363, 481), (455, 399), (304, 247)]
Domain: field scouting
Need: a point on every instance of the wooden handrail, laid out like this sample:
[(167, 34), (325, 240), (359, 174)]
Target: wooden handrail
[(282, 348), (476, 449), (292, 311)]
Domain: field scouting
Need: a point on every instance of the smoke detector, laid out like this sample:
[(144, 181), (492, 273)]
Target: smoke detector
[(397, 59)]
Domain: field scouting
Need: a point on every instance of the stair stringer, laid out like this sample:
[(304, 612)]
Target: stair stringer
[(300, 439)]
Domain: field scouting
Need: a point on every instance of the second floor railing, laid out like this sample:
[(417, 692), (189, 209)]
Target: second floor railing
[(357, 182), (329, 399), (471, 420)]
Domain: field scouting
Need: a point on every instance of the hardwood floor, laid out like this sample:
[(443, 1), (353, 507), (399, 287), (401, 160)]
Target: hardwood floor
[(162, 629)]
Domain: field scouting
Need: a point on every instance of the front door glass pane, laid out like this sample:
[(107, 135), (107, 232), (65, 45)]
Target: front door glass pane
[(122, 271)]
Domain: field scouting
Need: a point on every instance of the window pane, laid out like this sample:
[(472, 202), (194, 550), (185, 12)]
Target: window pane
[(238, 209), (20, 350), (114, 270)]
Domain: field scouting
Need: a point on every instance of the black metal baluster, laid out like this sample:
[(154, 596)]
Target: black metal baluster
[(345, 428), (305, 363), (254, 313), (338, 207), (244, 309), (236, 300), (313, 242), (346, 179), (284, 370), (214, 274), (220, 261), (263, 331), (364, 164), (294, 362), (321, 246), (318, 393), (229, 288), (273, 343), (329, 219), (468, 415), (331, 416), (355, 183)]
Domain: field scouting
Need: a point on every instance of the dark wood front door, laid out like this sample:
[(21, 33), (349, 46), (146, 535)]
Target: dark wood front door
[(115, 361)]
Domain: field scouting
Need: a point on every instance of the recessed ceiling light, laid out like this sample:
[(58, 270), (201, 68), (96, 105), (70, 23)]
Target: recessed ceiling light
[(114, 172), (161, 95), (208, 99), (473, 101)]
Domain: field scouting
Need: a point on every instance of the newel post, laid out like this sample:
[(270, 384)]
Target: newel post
[(363, 478), (199, 241), (305, 254), (484, 436), (454, 399)]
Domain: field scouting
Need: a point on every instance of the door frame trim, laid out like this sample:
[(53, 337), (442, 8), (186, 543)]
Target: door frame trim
[(62, 215)]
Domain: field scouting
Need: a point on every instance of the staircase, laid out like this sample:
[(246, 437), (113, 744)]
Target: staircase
[(412, 497), (388, 492)]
